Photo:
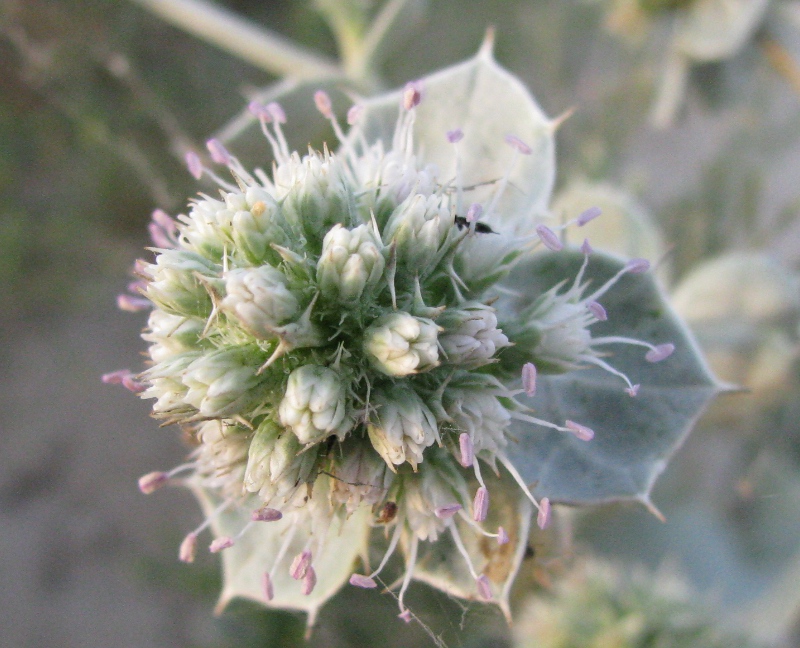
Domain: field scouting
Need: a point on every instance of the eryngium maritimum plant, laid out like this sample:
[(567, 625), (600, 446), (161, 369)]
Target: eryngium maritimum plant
[(358, 344)]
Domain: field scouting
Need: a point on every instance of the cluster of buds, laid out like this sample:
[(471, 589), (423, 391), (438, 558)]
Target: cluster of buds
[(322, 334)]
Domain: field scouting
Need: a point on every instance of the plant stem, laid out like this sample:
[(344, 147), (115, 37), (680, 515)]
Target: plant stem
[(264, 49)]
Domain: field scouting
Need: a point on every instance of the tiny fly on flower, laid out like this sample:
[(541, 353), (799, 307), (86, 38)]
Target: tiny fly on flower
[(481, 228)]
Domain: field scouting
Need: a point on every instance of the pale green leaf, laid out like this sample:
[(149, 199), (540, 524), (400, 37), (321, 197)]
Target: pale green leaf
[(634, 436), (255, 553)]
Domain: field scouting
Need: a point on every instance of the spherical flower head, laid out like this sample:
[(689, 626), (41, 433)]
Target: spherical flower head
[(351, 262), (327, 336), (399, 344), (314, 406)]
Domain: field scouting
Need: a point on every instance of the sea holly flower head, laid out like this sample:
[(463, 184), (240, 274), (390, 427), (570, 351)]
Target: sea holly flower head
[(361, 338)]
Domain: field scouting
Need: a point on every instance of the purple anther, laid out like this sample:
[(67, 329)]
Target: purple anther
[(474, 212), (276, 111), (660, 352), (365, 582), (502, 536), (543, 517), (133, 304), (267, 588), (194, 165), (219, 154), (115, 377), (516, 143), (637, 266), (132, 385), (633, 390), (455, 135), (159, 237), (221, 543), (405, 615), (467, 450), (586, 248), (596, 309), (136, 286), (323, 103), (529, 378), (354, 114), (480, 505), (260, 111), (412, 95), (447, 511), (266, 514), (581, 431), (589, 215), (484, 588), (549, 238), (300, 565), (151, 482), (188, 548), (309, 581)]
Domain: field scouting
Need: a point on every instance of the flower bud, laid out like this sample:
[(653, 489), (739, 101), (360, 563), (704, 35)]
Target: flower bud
[(257, 223), (317, 194), (400, 344), (220, 383), (470, 336), (474, 408), (419, 227), (174, 285), (260, 299), (351, 262), (403, 426), (362, 477), (315, 405), (171, 335), (207, 228)]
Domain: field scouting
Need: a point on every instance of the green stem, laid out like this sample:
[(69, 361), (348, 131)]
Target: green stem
[(256, 45)]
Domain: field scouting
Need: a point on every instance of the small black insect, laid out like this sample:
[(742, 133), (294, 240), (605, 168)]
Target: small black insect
[(480, 228)]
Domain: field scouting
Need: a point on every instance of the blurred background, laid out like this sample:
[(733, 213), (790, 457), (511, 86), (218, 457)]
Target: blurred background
[(98, 103)]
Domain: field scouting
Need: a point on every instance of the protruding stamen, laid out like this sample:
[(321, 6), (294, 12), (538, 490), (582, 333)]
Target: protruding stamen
[(354, 114), (266, 514), (447, 511), (581, 431), (323, 103), (466, 449), (309, 581), (455, 135), (405, 615), (549, 238), (390, 550), (474, 212), (518, 145), (221, 543), (276, 111), (637, 266), (151, 482), (589, 215), (132, 304), (260, 111), (480, 505), (365, 582), (484, 588), (194, 165), (219, 154), (188, 548), (412, 95), (596, 309), (267, 588), (300, 564), (586, 248), (529, 378), (411, 562), (659, 352), (633, 390), (543, 517), (116, 377), (502, 536)]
